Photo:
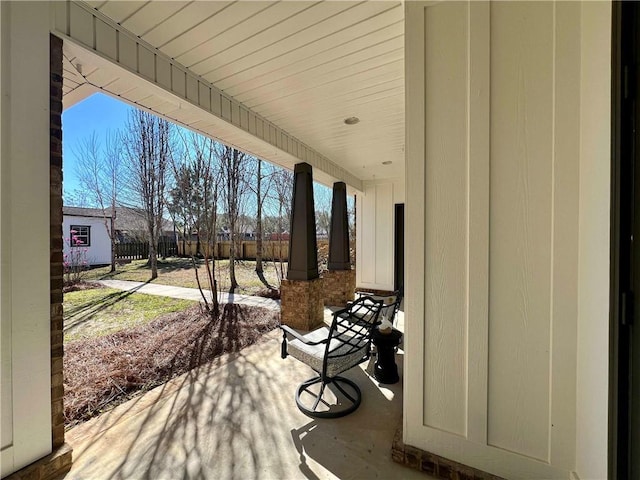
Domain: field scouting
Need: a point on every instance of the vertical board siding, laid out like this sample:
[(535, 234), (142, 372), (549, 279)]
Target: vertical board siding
[(367, 217), (374, 262), (178, 81), (128, 53), (106, 39), (81, 24), (28, 135), (493, 167), (445, 375), (522, 55), (565, 233), (384, 234), (478, 204), (192, 89), (163, 72), (146, 63), (204, 96)]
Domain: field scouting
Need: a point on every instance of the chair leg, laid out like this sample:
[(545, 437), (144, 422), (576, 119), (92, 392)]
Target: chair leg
[(345, 404)]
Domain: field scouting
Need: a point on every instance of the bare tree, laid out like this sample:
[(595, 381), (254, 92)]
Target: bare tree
[(351, 212), (233, 168), (261, 188), (182, 197), (148, 150), (195, 196), (322, 201), (283, 192), (99, 171), (77, 197)]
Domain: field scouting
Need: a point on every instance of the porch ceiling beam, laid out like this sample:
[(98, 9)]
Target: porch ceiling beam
[(92, 30)]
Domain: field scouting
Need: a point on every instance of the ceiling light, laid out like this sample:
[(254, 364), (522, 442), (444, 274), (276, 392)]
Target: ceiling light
[(351, 120)]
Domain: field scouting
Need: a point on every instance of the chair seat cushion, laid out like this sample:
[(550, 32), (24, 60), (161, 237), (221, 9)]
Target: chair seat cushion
[(313, 355)]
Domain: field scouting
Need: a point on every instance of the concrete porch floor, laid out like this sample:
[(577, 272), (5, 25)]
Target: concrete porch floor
[(236, 418)]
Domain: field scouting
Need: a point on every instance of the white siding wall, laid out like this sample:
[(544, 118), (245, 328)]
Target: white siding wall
[(494, 176), (593, 330), (99, 252), (24, 233), (374, 233)]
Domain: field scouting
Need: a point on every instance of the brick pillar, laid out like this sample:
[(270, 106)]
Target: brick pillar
[(301, 303), (339, 287), (301, 293), (339, 280), (59, 461)]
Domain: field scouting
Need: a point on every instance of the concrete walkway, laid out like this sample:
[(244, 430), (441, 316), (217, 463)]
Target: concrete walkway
[(188, 293)]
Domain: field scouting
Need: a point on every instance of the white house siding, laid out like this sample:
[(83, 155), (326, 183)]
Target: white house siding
[(506, 269), (374, 233), (99, 252), (24, 233), (593, 330)]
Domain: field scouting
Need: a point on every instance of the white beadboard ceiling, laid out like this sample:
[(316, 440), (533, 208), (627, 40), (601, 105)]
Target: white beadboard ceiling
[(304, 66)]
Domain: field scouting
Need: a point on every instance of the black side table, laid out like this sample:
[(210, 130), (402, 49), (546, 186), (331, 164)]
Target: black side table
[(386, 370)]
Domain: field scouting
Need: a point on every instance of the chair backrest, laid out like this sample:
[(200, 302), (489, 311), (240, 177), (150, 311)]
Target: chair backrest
[(350, 332), (390, 311), (391, 304)]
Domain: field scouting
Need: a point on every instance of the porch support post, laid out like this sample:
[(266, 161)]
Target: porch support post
[(303, 248), (339, 233), (340, 279), (301, 292)]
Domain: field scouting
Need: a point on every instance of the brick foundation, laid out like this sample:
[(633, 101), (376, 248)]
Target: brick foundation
[(432, 464), (373, 291), (51, 467), (339, 287), (301, 303)]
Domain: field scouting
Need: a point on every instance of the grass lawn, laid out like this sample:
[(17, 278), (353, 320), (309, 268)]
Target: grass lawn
[(105, 371), (179, 272), (100, 311)]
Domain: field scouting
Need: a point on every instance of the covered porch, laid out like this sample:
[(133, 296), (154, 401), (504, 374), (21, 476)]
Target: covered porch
[(236, 417), (503, 162)]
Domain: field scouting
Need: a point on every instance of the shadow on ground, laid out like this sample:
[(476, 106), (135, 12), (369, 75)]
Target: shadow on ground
[(236, 417)]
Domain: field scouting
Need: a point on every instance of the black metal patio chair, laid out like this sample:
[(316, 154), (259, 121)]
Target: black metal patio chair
[(390, 304), (330, 351)]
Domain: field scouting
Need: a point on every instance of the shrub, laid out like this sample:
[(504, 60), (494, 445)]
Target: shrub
[(75, 261)]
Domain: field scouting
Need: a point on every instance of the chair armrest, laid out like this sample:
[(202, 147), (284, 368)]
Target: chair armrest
[(286, 329)]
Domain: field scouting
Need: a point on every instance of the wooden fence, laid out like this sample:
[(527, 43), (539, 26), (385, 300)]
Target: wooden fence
[(271, 249), (140, 250)]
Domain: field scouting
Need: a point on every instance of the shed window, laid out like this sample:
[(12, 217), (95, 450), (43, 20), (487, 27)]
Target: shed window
[(80, 235)]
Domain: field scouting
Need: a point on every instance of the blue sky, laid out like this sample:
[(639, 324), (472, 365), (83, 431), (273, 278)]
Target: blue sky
[(101, 113), (98, 113)]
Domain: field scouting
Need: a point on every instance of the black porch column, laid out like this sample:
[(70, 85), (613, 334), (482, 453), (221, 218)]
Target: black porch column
[(339, 280), (301, 293), (303, 248), (339, 233)]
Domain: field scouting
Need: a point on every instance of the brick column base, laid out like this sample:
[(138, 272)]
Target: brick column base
[(301, 303), (433, 464), (339, 287), (52, 467)]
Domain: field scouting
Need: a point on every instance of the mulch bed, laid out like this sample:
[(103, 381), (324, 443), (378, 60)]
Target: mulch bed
[(104, 372), (82, 285)]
